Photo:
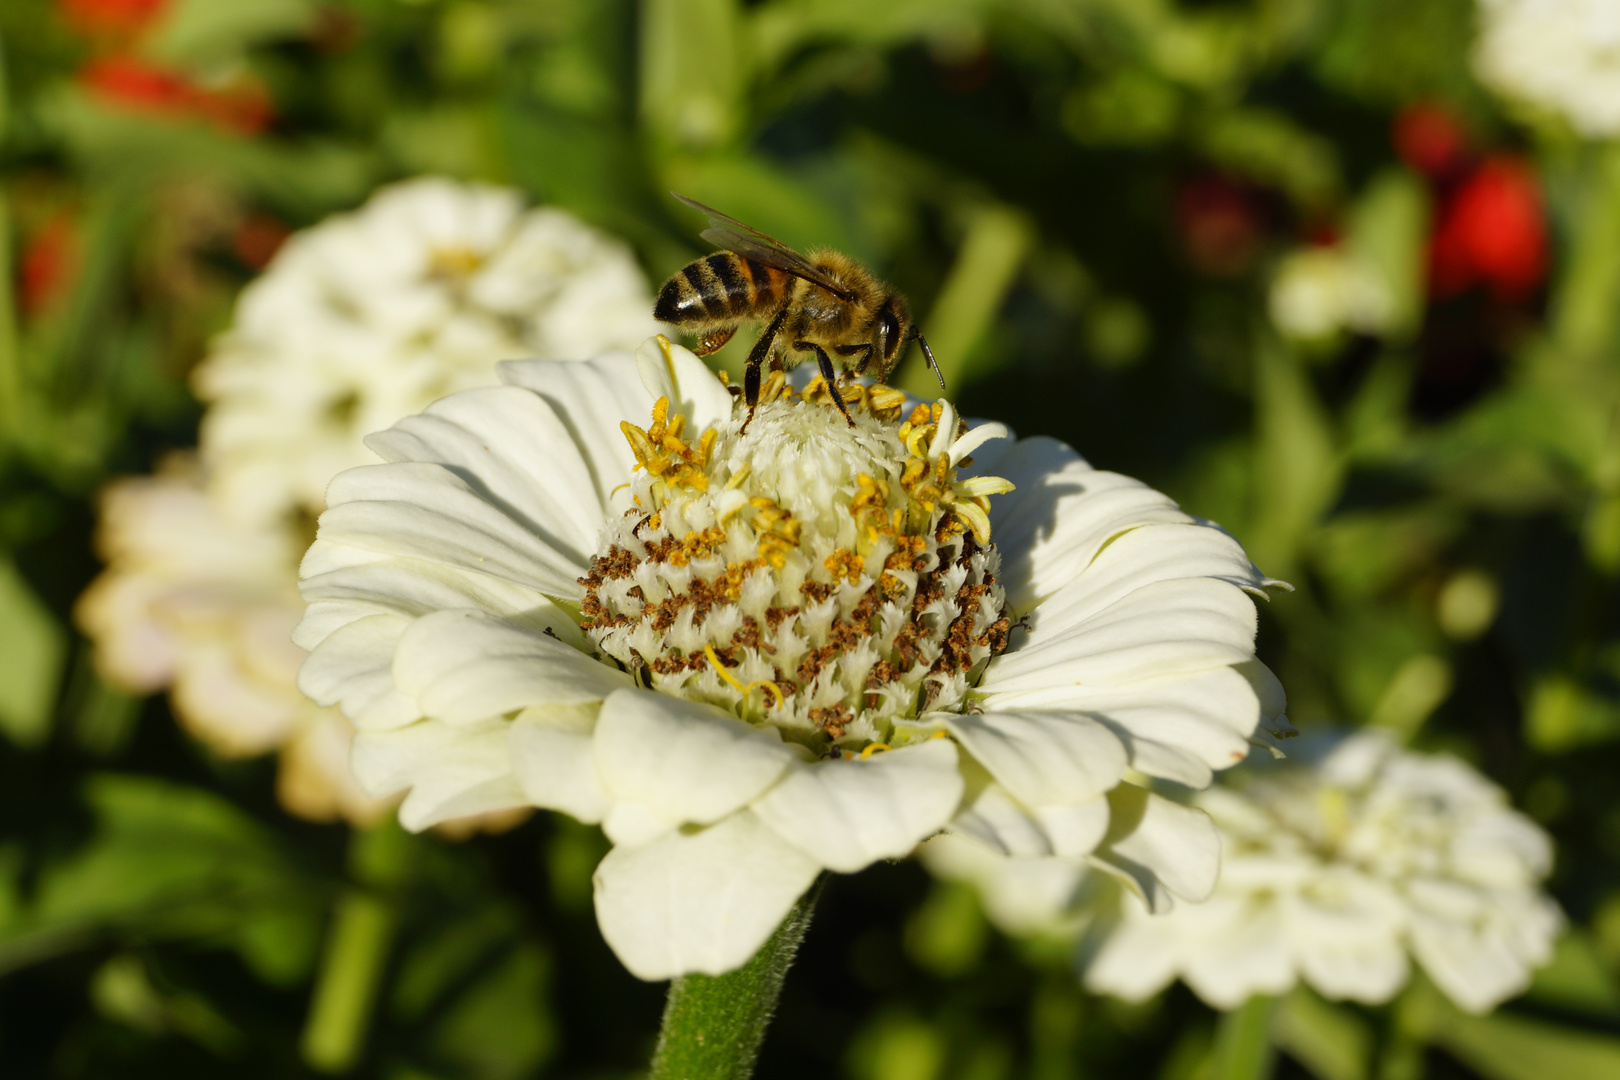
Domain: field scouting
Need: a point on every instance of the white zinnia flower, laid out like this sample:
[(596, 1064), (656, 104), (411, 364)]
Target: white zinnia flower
[(1561, 55), (371, 315), (754, 654), (1339, 863), (205, 606)]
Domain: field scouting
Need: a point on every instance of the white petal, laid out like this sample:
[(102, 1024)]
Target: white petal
[(669, 370), (684, 761), (1142, 556), (1177, 728), (1043, 759), (427, 511), (353, 669), (1371, 975), (1135, 961), (994, 819), (368, 584), (1229, 958), (557, 769), (847, 814), (1476, 970), (510, 445), (465, 666), (452, 772), (1021, 896), (592, 398), (1160, 629), (1074, 831), (1159, 848), (1060, 514), (698, 900), (969, 444)]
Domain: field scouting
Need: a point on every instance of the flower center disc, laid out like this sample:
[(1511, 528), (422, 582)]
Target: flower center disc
[(826, 579)]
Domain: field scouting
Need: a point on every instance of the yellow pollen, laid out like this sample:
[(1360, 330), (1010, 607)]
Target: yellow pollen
[(660, 450), (452, 263), (873, 748), (844, 563)]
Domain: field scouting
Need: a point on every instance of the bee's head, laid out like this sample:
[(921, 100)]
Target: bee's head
[(892, 331)]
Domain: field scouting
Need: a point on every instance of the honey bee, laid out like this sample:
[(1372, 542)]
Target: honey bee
[(826, 305)]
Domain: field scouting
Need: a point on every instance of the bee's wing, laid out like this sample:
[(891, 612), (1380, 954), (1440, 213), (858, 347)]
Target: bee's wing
[(733, 235)]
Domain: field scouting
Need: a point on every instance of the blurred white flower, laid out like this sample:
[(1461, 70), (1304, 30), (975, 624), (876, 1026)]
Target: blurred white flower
[(1029, 896), (205, 606), (1338, 864), (371, 315), (756, 650), (359, 321), (1559, 55), (1319, 292)]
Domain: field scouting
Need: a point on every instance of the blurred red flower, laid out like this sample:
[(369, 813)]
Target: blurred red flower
[(1220, 222), (257, 239), (125, 81), (1490, 232), (110, 16), (49, 261), (1429, 139)]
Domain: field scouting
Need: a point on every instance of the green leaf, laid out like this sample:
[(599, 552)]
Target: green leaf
[(1270, 147), (1588, 294), (1329, 1040), (33, 645), (998, 240), (1298, 471), (1510, 1047), (1563, 714), (138, 151), (1243, 1042), (1575, 978), (1388, 231), (692, 72), (501, 1028), (167, 861), (200, 30), (946, 935)]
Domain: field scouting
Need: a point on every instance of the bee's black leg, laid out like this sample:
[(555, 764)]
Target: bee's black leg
[(863, 351), (824, 362), (756, 357)]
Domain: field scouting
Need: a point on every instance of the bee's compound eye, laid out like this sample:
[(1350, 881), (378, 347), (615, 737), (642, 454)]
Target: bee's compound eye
[(888, 333)]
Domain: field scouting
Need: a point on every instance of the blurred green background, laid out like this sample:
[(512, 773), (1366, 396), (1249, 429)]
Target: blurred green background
[(1092, 204)]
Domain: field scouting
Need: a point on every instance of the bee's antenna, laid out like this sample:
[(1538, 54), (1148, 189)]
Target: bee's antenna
[(929, 353)]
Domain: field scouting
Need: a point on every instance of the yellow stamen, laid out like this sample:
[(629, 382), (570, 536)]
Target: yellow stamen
[(776, 691), (720, 670), (874, 748)]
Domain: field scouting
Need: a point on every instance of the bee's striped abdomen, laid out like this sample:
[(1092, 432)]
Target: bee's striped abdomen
[(721, 287)]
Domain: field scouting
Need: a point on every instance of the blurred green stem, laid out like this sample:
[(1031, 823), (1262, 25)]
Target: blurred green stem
[(1243, 1042), (998, 238), (713, 1025), (1584, 305), (356, 954)]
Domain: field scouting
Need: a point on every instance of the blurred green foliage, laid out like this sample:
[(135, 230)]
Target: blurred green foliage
[(1084, 199)]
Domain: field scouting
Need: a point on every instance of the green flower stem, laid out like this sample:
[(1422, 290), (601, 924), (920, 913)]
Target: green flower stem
[(1243, 1042), (713, 1025), (357, 946)]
